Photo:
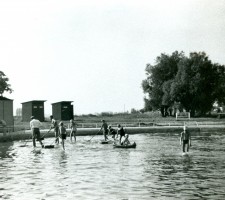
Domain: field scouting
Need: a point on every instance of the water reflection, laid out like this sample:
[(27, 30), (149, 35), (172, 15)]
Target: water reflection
[(187, 163), (124, 157), (63, 159), (6, 150), (156, 169)]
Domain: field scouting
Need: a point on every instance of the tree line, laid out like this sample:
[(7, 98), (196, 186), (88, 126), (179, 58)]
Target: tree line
[(194, 83)]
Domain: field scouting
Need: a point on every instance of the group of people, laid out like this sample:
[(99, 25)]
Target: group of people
[(108, 130), (59, 130), (185, 137)]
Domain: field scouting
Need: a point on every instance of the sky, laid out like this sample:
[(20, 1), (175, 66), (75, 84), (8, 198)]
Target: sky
[(94, 52)]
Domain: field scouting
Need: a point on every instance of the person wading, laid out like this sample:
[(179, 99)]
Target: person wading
[(185, 139), (54, 125), (121, 132), (35, 125), (112, 132), (62, 132), (104, 128), (73, 129)]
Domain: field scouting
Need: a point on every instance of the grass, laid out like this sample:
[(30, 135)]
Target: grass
[(143, 119)]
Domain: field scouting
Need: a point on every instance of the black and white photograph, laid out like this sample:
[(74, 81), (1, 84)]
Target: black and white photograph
[(112, 99)]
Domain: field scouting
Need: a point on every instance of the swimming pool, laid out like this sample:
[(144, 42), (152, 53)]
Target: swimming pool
[(156, 169)]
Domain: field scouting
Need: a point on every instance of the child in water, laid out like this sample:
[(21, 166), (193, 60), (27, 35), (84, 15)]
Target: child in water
[(104, 128), (62, 132), (54, 125), (73, 130), (185, 139), (112, 132), (126, 140), (120, 132)]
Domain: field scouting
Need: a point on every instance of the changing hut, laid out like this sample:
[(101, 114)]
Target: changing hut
[(33, 108), (6, 114), (62, 110)]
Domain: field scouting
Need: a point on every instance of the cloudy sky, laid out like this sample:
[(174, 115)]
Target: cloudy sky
[(94, 52)]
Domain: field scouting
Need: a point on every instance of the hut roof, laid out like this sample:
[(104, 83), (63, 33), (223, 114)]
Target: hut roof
[(34, 101), (4, 98), (63, 102)]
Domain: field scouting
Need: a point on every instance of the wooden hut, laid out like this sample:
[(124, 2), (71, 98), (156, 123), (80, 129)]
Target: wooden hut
[(6, 114), (62, 110), (33, 108)]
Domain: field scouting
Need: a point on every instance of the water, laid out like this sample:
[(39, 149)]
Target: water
[(156, 169)]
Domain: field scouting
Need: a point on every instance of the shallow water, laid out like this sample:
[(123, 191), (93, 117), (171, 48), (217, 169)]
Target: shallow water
[(156, 169)]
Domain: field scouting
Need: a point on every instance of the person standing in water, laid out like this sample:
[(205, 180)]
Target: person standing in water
[(104, 128), (62, 133), (73, 130), (54, 125), (185, 139), (112, 132), (35, 125), (121, 132)]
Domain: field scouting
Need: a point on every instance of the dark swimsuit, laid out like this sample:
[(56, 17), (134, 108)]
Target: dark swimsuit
[(185, 141), (121, 132), (112, 132)]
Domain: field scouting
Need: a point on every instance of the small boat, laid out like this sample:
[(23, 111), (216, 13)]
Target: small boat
[(133, 145)]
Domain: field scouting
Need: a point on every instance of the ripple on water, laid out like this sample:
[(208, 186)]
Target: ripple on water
[(156, 169)]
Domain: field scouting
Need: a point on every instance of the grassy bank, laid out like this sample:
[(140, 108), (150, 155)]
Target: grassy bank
[(139, 119)]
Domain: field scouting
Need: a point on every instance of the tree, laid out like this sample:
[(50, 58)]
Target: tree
[(197, 84), (194, 81), (134, 111), (4, 85), (219, 92), (159, 78)]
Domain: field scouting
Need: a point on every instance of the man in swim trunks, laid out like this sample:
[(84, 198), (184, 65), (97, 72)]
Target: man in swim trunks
[(185, 138)]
